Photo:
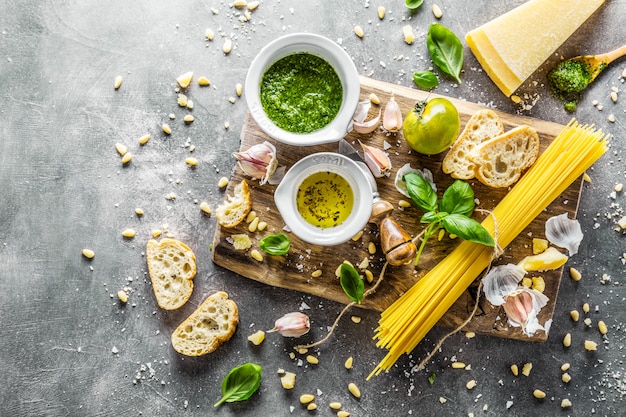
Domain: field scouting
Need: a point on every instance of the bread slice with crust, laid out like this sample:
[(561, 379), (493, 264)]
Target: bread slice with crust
[(172, 268), (212, 324), (481, 127), (236, 207), (500, 161)]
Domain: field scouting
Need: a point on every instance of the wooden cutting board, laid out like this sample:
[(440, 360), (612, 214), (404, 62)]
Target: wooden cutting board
[(294, 270)]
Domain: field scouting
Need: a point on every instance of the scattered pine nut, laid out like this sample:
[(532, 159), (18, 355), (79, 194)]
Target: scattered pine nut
[(458, 365), (586, 308), (516, 99), (254, 225), (591, 345), (185, 79), (574, 314), (253, 5), (262, 226), (358, 31), (357, 236), (369, 276), (566, 403), (313, 360), (188, 118), (88, 253), (257, 338), (118, 82), (311, 406), (566, 377), (407, 32), (182, 100), (575, 274), (539, 394), (343, 413), (139, 211), (565, 366), (614, 96), (586, 177), (306, 398), (223, 182), (127, 158), (381, 12), (209, 35), (144, 139), (374, 99), (470, 384), (129, 233), (404, 204), (317, 273), (348, 363), (567, 340), (122, 296), (251, 216), (205, 208), (239, 89), (371, 248), (354, 390), (618, 187), (203, 82), (602, 327), (437, 11), (256, 255), (166, 129), (121, 149), (192, 162), (515, 369), (355, 319), (156, 233), (228, 46), (470, 335), (335, 405), (527, 368), (302, 350), (226, 125)]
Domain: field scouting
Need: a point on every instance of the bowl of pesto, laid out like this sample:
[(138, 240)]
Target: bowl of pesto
[(302, 89)]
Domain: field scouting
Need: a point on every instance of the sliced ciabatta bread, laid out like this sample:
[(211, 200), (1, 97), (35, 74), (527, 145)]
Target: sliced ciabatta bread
[(236, 207), (482, 126), (172, 268), (212, 324), (500, 161)]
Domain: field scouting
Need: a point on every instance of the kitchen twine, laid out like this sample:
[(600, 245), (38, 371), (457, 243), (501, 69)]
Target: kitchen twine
[(497, 251)]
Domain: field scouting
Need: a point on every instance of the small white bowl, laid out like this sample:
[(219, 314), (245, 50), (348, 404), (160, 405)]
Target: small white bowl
[(286, 193), (335, 56)]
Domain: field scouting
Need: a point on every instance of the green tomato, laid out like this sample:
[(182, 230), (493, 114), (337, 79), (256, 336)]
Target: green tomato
[(432, 126)]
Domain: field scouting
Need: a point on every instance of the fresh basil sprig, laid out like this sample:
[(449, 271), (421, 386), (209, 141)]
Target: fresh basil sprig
[(240, 383), (413, 4), (278, 244), (452, 213), (351, 282), (445, 50), (425, 79)]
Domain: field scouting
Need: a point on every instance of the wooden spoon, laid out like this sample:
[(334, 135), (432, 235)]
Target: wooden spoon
[(596, 63)]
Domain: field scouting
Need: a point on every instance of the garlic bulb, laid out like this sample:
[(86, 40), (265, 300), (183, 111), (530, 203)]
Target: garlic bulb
[(358, 120), (564, 232), (377, 161), (259, 161), (392, 117), (521, 304), (405, 169)]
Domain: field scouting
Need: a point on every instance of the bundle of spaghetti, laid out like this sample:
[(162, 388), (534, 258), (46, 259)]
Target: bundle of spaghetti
[(407, 321)]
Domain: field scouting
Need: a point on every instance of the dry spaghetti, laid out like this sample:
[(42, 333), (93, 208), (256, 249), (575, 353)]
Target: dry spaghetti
[(407, 321)]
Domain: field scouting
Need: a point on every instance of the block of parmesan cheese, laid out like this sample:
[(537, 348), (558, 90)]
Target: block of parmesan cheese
[(511, 47)]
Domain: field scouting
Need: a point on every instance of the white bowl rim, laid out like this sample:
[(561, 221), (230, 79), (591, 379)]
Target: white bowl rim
[(285, 198), (331, 52)]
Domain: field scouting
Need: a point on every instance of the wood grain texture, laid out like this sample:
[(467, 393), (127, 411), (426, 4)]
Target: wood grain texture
[(294, 270)]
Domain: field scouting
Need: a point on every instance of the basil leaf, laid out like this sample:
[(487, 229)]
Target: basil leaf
[(351, 282), (468, 229), (420, 191), (431, 378), (425, 79), (413, 4), (458, 199), (240, 383), (432, 217), (278, 244), (445, 50)]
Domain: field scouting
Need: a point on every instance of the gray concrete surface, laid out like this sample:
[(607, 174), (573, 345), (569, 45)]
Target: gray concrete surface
[(67, 346)]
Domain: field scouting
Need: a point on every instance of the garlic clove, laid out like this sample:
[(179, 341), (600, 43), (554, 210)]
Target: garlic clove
[(259, 161), (358, 120), (392, 117), (564, 232), (293, 324), (405, 169), (522, 307), (377, 161), (501, 281)]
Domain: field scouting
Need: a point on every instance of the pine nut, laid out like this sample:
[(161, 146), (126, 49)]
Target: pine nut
[(348, 363), (306, 398), (591, 345), (355, 319), (437, 11), (209, 35), (515, 369), (129, 233), (144, 139), (139, 211), (192, 162), (122, 296), (317, 273), (567, 340), (357, 236), (126, 158), (88, 253), (565, 366), (586, 308), (254, 225), (121, 149), (238, 89), (262, 226), (381, 12), (574, 314), (313, 360), (205, 207), (335, 405), (575, 274), (354, 390), (458, 365), (404, 204), (223, 182), (358, 31), (182, 100), (566, 377), (470, 384), (256, 255), (253, 5), (374, 99), (166, 129), (203, 81), (565, 403), (371, 248), (602, 327), (539, 394), (251, 216), (369, 276), (118, 82), (343, 413), (311, 406), (407, 32), (228, 46)]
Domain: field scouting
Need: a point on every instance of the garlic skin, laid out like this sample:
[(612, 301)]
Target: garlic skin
[(565, 233), (392, 117), (377, 161), (259, 161), (358, 120), (293, 324), (405, 169), (521, 305)]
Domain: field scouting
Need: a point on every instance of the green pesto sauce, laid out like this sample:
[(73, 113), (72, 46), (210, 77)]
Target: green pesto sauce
[(567, 80), (301, 93)]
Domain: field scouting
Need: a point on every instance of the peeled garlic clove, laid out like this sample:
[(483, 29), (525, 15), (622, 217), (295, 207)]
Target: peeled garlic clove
[(405, 169), (293, 324), (259, 161), (392, 117), (501, 281), (377, 161), (564, 232), (358, 120), (522, 307)]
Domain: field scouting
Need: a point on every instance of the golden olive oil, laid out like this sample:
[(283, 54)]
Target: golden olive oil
[(325, 199)]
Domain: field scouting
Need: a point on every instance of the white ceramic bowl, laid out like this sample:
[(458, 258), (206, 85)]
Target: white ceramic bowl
[(335, 56), (286, 192)]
